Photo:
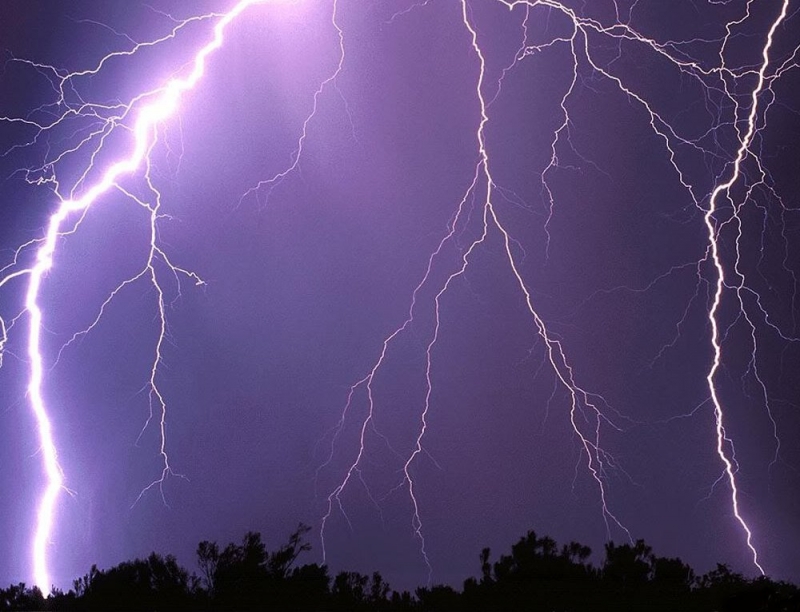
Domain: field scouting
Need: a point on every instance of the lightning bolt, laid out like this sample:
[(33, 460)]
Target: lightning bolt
[(724, 443), (588, 413), (150, 110), (585, 407)]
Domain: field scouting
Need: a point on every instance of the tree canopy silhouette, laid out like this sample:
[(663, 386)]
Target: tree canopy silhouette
[(535, 575)]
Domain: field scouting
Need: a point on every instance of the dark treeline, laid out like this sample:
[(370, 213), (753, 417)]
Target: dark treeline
[(536, 575)]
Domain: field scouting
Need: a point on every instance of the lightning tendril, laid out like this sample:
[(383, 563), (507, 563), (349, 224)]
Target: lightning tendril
[(143, 119)]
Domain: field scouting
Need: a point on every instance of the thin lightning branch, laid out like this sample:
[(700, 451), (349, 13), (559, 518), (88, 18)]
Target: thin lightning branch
[(582, 406), (369, 378), (556, 356), (580, 399), (450, 262), (270, 184)]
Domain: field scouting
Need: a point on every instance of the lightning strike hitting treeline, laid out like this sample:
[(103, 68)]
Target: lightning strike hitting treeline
[(707, 125)]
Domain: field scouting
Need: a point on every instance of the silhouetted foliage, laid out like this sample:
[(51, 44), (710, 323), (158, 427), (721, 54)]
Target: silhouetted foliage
[(354, 591), (245, 576), (536, 575), (441, 598), (155, 583), (20, 597)]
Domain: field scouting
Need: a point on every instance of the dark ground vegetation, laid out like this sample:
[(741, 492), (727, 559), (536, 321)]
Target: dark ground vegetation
[(535, 575)]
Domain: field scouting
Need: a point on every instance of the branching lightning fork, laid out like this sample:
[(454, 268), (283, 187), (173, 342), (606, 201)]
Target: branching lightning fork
[(149, 109), (583, 408), (588, 412)]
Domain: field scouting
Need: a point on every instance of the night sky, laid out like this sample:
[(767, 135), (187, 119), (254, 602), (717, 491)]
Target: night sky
[(369, 279)]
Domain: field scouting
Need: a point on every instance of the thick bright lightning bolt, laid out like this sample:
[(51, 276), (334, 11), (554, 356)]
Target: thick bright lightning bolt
[(150, 109), (724, 444)]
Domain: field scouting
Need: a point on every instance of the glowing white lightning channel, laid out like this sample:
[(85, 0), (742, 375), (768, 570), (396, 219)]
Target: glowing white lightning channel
[(161, 105), (582, 403), (587, 411), (724, 445), (582, 406), (719, 191)]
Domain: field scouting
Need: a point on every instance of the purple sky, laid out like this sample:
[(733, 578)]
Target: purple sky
[(307, 276)]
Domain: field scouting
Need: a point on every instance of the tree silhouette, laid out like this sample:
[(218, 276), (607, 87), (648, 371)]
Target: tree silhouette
[(143, 584), (354, 591), (535, 575), (245, 576), (20, 597), (207, 560)]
